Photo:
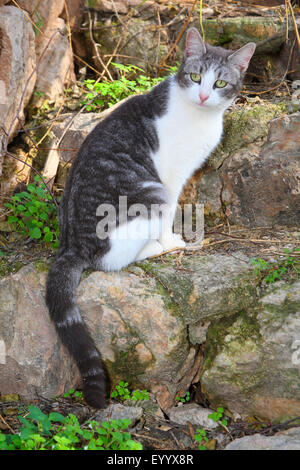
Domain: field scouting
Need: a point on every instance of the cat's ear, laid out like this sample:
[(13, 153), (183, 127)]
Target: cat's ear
[(242, 56), (194, 44)]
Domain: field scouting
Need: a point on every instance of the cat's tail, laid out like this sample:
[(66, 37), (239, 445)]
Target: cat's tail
[(63, 279)]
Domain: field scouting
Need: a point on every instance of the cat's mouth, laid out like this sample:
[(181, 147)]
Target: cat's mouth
[(202, 104)]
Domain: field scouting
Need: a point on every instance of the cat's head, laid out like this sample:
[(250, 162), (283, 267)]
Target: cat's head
[(211, 77)]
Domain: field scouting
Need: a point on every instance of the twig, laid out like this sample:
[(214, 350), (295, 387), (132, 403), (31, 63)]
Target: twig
[(96, 48), (282, 80), (142, 436), (111, 56), (162, 63), (181, 446), (28, 17), (295, 23), (6, 424)]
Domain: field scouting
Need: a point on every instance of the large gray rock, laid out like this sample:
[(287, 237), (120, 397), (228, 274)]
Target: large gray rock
[(194, 414), (148, 322), (254, 176), (44, 14), (118, 411), (140, 318), (286, 440), (17, 62), (55, 68), (252, 360), (262, 185)]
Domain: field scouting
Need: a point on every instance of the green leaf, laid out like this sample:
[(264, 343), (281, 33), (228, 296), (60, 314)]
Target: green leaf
[(57, 417), (35, 233)]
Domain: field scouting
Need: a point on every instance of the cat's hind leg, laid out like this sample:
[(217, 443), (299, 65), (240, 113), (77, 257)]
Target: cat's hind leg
[(128, 241), (152, 248)]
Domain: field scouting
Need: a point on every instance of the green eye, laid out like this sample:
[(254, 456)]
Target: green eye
[(196, 77), (220, 84)]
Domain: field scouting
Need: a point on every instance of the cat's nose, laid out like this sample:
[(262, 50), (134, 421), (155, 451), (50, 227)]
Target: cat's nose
[(203, 97)]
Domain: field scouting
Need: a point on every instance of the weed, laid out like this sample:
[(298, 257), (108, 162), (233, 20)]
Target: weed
[(106, 94), (184, 399), (276, 271), (33, 213), (217, 416), (200, 437), (57, 432), (72, 393), (123, 393)]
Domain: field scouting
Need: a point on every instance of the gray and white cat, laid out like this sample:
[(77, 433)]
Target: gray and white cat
[(145, 150)]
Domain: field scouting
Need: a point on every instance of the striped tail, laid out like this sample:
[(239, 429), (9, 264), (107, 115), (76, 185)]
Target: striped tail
[(62, 282)]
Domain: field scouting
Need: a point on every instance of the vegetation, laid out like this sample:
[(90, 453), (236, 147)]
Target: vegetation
[(57, 432), (101, 95), (122, 393), (184, 399), (200, 437), (33, 214), (275, 271), (217, 416)]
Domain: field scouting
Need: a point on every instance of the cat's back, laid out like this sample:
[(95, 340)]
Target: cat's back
[(131, 122)]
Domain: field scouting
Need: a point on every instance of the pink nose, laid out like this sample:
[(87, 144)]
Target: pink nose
[(203, 97)]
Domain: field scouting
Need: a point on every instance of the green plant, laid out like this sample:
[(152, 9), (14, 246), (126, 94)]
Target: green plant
[(217, 416), (275, 271), (106, 94), (73, 394), (57, 432), (33, 213), (200, 437), (139, 395), (123, 393), (184, 399)]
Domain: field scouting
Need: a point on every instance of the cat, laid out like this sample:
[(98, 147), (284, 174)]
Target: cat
[(146, 149)]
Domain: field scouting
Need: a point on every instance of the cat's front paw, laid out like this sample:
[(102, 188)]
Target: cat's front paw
[(172, 241)]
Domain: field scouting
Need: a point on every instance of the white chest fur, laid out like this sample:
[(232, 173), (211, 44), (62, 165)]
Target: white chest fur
[(187, 135)]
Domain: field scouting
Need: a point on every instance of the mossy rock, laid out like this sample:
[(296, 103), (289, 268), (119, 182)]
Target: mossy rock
[(251, 363), (243, 126), (237, 31)]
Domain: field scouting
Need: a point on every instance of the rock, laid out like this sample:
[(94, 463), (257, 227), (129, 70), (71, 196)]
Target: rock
[(17, 62), (194, 414), (55, 67), (143, 45), (251, 363), (243, 126), (235, 32), (69, 134), (34, 360), (118, 411), (258, 146), (250, 201), (286, 440), (43, 14), (140, 318), (108, 6)]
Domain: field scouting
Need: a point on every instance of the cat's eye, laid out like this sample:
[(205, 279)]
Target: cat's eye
[(196, 77), (220, 84)]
